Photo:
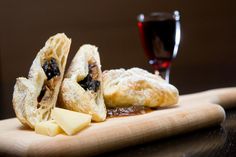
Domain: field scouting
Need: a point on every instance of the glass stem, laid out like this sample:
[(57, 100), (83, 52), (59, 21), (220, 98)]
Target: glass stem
[(165, 74)]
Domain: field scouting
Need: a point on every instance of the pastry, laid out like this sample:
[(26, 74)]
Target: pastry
[(81, 89), (35, 96), (137, 87)]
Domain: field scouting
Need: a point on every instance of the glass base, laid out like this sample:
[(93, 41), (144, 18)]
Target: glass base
[(165, 74)]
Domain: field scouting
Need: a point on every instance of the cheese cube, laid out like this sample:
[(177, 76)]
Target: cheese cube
[(49, 128), (71, 122)]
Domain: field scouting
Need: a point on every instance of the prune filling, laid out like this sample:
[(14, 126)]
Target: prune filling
[(127, 111), (89, 82), (42, 93), (51, 68)]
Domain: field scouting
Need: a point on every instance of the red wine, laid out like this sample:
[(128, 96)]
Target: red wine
[(158, 39)]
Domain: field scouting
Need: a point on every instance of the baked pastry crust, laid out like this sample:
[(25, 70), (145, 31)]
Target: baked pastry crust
[(76, 94), (35, 96), (136, 86)]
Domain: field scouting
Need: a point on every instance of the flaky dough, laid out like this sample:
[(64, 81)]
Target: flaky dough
[(73, 95), (29, 110), (137, 87)]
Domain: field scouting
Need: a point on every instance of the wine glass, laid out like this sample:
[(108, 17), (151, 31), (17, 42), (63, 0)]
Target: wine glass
[(160, 35)]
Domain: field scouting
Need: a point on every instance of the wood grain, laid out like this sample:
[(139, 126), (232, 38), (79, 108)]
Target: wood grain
[(193, 112)]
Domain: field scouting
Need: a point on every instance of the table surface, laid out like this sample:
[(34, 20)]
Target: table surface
[(213, 142)]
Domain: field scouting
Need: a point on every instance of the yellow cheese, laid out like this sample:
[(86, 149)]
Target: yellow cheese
[(71, 122), (49, 128)]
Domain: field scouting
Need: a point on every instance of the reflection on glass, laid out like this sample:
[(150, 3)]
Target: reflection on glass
[(160, 35)]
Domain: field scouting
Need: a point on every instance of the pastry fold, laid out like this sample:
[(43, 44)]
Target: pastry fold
[(81, 89), (136, 86), (35, 96)]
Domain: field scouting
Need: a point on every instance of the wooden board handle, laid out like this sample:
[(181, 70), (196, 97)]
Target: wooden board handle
[(226, 97)]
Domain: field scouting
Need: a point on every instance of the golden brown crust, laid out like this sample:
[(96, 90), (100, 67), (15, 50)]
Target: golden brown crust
[(26, 91), (137, 87)]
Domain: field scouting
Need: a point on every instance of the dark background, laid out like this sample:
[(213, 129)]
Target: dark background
[(206, 57)]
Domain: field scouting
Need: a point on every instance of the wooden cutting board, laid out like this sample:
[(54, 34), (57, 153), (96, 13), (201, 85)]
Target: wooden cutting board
[(193, 112)]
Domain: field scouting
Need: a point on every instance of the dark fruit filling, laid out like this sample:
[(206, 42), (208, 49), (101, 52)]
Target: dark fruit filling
[(127, 111), (43, 91), (88, 82), (50, 68)]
